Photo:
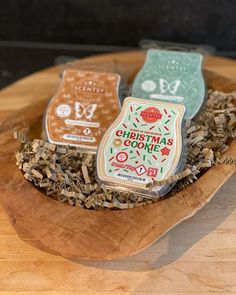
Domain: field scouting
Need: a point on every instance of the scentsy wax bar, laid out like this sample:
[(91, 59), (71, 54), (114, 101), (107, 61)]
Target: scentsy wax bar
[(85, 105), (144, 143), (172, 76)]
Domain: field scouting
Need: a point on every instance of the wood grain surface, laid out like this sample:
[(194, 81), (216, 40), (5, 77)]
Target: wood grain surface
[(198, 256)]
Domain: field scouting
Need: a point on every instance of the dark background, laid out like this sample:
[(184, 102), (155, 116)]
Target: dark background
[(37, 33)]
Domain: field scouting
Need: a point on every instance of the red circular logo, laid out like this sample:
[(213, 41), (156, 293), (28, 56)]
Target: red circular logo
[(151, 115), (121, 157)]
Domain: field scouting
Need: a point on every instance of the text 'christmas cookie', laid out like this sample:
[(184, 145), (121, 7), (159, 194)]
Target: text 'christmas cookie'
[(144, 143), (172, 76), (83, 108)]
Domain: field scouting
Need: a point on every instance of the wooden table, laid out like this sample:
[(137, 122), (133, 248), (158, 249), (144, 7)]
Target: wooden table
[(196, 257)]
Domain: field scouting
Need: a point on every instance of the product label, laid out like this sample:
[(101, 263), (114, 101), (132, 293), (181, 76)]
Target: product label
[(144, 143), (172, 76), (84, 107)]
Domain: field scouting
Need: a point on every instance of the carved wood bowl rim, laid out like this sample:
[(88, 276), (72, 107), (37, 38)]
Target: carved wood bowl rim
[(89, 234)]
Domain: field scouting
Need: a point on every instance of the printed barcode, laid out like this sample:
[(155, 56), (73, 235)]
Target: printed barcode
[(79, 138), (131, 177)]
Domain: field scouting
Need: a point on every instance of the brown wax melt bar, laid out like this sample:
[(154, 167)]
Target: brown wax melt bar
[(85, 105)]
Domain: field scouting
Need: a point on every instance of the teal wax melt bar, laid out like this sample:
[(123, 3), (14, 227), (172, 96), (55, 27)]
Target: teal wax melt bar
[(172, 76)]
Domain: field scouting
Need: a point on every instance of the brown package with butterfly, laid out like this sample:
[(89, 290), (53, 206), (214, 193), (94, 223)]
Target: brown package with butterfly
[(85, 105)]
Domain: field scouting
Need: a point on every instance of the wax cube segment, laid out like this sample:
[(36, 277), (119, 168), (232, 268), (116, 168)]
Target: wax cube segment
[(172, 76)]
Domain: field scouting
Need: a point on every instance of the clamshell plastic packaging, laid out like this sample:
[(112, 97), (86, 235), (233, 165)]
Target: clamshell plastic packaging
[(172, 76), (144, 143), (85, 105)]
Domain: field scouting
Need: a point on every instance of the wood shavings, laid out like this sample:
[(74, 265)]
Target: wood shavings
[(69, 176), (20, 136), (171, 179), (226, 160), (85, 174), (37, 174)]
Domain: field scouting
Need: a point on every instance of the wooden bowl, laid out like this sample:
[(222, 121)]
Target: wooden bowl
[(72, 232)]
